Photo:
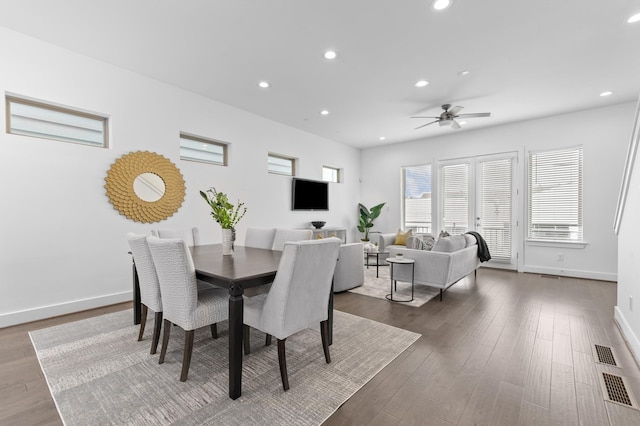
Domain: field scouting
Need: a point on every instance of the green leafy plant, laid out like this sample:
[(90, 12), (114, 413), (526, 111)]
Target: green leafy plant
[(367, 216), (222, 211)]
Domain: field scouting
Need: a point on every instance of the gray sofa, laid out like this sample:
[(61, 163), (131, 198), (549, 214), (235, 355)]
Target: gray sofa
[(451, 259)]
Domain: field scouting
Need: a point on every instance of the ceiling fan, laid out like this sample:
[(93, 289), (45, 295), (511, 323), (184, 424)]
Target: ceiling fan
[(448, 117)]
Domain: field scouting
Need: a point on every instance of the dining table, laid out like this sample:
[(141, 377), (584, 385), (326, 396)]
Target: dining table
[(246, 268)]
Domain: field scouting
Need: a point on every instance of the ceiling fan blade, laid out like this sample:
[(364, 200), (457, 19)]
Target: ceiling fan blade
[(475, 115), (455, 124), (422, 117), (420, 127), (455, 110)]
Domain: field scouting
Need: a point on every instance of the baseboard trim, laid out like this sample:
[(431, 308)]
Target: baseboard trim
[(590, 275), (629, 336), (28, 315)]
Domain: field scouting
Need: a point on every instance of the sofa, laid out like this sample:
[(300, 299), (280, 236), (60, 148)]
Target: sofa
[(451, 259)]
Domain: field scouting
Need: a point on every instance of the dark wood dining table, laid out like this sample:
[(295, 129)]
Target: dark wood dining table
[(248, 267)]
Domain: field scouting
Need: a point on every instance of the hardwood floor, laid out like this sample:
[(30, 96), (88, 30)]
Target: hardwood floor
[(507, 349)]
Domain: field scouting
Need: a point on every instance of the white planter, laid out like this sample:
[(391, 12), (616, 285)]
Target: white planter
[(227, 241)]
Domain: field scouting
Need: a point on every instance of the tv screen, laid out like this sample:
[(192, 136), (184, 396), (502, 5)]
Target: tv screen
[(309, 195)]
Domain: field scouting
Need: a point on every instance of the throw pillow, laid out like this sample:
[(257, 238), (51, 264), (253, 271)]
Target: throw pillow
[(401, 237), (415, 243), (450, 244), (427, 242), (444, 233)]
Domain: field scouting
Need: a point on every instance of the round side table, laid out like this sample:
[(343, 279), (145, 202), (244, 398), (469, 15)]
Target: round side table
[(400, 261)]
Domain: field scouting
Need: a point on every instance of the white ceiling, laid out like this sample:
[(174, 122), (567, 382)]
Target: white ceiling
[(526, 59)]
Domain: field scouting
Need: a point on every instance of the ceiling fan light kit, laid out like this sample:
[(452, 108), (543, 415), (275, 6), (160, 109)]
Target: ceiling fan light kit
[(448, 117)]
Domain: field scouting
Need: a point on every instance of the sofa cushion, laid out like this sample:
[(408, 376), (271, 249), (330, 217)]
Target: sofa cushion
[(401, 237), (450, 244), (471, 240)]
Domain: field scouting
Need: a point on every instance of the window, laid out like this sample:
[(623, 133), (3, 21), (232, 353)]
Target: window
[(416, 182), (331, 174), (281, 165), (455, 198), (38, 119), (196, 148), (555, 195)]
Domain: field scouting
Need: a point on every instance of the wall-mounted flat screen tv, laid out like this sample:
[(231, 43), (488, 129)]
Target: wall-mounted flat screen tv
[(309, 195)]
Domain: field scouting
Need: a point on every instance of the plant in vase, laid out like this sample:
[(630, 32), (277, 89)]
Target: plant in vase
[(226, 214), (367, 216)]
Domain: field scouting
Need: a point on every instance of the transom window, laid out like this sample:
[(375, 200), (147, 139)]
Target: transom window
[(47, 121), (555, 195), (281, 165), (197, 148), (331, 174)]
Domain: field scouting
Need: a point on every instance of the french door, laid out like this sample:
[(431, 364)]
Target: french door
[(479, 194)]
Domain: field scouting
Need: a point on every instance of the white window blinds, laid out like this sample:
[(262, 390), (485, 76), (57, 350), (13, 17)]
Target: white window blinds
[(555, 195), (203, 150), (280, 165), (455, 198), (330, 174), (41, 120), (417, 198), (495, 216)]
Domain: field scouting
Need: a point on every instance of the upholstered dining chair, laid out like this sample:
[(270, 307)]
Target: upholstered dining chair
[(189, 235), (149, 286), (299, 296), (183, 304), (285, 235), (260, 238)]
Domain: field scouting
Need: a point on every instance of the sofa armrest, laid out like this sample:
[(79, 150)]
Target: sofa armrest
[(386, 240), (349, 271)]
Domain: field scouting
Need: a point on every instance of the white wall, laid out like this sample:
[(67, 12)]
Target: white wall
[(604, 134), (62, 245), (627, 311)]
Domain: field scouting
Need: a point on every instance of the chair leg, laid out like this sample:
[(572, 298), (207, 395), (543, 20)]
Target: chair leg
[(165, 340), (282, 360), (441, 295), (186, 358), (267, 340), (214, 331), (157, 325), (324, 332), (475, 274), (143, 321), (245, 338)]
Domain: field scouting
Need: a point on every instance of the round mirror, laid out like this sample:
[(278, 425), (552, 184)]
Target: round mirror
[(149, 187), (145, 187)]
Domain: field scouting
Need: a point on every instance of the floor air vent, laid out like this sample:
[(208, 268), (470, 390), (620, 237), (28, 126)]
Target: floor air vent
[(549, 276), (616, 390), (604, 355)]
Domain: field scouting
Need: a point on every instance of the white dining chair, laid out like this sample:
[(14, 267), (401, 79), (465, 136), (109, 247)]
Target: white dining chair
[(285, 235), (188, 235), (299, 296), (260, 238), (183, 304), (149, 286)]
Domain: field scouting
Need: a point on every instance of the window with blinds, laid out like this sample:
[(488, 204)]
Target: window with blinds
[(555, 195), (417, 198), (331, 174), (196, 148), (455, 198), (496, 206), (281, 165), (41, 120)]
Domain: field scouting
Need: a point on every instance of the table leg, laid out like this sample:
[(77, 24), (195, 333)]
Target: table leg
[(377, 264), (236, 318), (137, 305)]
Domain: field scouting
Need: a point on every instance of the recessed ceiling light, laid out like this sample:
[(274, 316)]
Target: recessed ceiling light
[(324, 112), (382, 138), (607, 93), (465, 72), (330, 54), (204, 146), (264, 84), (634, 18), (441, 4), (421, 83)]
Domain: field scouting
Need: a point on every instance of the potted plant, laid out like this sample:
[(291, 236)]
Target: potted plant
[(367, 216), (226, 214)]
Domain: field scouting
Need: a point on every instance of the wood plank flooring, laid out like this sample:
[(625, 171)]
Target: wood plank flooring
[(506, 349)]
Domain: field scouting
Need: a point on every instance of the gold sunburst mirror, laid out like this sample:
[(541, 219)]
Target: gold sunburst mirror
[(145, 186)]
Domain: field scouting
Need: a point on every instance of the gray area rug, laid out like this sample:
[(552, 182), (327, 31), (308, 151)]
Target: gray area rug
[(381, 286), (99, 374)]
